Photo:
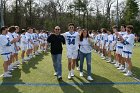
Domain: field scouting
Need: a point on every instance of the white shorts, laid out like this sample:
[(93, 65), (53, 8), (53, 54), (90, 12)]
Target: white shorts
[(126, 55), (98, 44), (72, 54), (119, 50), (12, 50), (36, 43), (29, 46), (6, 57), (102, 45), (46, 42), (110, 48), (23, 47)]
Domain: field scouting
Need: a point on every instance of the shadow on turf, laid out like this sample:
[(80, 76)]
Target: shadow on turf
[(67, 88), (33, 62), (92, 87), (136, 72), (8, 85)]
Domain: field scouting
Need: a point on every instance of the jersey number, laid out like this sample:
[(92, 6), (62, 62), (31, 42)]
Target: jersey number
[(71, 41)]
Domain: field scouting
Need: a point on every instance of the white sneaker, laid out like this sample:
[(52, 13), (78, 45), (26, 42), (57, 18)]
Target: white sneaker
[(27, 59), (103, 57), (129, 73), (55, 74), (72, 73), (108, 61), (121, 67), (113, 62), (8, 72), (10, 68), (33, 56), (81, 74), (125, 70), (15, 67), (89, 78), (7, 75), (78, 68), (23, 61), (30, 56), (117, 65), (36, 54), (18, 63), (69, 75)]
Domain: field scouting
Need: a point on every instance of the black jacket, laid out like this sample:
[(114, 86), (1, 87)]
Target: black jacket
[(56, 43)]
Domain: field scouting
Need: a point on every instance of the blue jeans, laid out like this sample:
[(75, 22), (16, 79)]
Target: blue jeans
[(57, 63), (88, 60)]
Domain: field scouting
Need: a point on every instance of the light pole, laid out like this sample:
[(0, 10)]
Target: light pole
[(1, 14)]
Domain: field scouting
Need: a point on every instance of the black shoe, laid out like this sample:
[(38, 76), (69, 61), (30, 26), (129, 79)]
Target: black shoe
[(59, 78)]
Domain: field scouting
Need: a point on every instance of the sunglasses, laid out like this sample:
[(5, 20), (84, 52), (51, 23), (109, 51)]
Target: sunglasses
[(57, 29), (71, 27)]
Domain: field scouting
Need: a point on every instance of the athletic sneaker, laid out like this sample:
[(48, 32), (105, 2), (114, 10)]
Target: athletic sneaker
[(125, 70), (27, 58), (55, 74), (36, 54), (69, 75), (10, 68), (59, 78), (89, 78), (72, 73), (129, 73), (14, 67), (103, 57), (108, 61), (78, 68), (8, 72), (7, 75), (30, 56), (113, 62), (23, 61), (17, 62), (121, 67), (81, 74), (117, 65)]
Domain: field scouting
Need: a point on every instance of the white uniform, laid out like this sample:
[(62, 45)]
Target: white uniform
[(128, 45), (72, 44), (114, 42), (17, 43), (110, 42), (12, 48), (119, 48), (23, 42), (28, 37), (103, 40), (98, 39), (36, 39), (4, 47), (32, 40), (41, 38)]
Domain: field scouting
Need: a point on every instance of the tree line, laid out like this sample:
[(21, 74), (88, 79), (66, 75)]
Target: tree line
[(90, 14)]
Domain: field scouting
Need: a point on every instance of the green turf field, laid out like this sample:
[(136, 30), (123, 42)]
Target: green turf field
[(36, 76)]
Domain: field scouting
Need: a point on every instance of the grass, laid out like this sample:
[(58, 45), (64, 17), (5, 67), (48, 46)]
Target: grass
[(40, 70)]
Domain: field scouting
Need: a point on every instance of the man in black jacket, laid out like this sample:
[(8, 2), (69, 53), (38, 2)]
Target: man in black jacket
[(56, 41)]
